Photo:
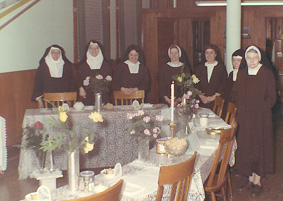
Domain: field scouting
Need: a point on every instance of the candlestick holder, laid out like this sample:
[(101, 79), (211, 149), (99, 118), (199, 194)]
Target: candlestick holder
[(172, 125)]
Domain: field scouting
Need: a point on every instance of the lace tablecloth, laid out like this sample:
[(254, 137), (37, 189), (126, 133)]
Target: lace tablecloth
[(113, 145)]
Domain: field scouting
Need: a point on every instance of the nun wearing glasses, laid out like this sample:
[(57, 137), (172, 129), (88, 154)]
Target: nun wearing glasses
[(254, 94), (93, 64), (53, 75), (175, 65)]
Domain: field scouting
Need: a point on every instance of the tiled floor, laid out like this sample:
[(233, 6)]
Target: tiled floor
[(12, 189)]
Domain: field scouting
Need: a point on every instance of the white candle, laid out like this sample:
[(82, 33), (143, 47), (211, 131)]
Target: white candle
[(51, 161), (172, 102)]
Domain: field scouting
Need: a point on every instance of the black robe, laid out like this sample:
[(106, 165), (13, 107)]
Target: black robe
[(255, 96), (44, 83), (85, 71), (123, 78), (216, 84)]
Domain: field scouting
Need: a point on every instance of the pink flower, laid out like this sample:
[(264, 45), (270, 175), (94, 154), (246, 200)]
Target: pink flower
[(189, 93), (179, 105), (154, 135), (146, 119), (140, 113), (155, 130), (186, 96), (133, 132), (130, 115), (181, 110), (38, 125), (147, 132), (86, 81), (108, 78), (99, 77), (159, 118), (196, 106), (197, 101)]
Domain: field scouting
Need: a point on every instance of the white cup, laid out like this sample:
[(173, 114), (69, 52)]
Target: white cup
[(203, 119)]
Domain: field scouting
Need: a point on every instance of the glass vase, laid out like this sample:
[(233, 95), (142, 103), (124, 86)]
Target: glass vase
[(98, 101), (143, 149), (73, 170)]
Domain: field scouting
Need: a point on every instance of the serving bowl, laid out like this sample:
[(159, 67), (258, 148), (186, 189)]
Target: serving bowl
[(176, 147)]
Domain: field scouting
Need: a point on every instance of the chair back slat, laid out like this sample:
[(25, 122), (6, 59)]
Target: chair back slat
[(59, 98), (218, 105), (231, 113), (124, 99), (113, 193), (179, 176)]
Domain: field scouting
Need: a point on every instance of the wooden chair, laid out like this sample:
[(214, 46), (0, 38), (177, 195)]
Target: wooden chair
[(216, 182), (113, 193), (180, 176), (128, 99), (230, 119), (59, 98), (218, 106), (231, 113)]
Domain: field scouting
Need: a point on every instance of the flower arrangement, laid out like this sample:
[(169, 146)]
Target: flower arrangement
[(190, 105), (67, 136), (144, 126), (186, 81), (34, 135), (97, 84)]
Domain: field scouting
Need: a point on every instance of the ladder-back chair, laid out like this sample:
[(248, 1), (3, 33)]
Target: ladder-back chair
[(113, 193), (216, 182), (124, 99), (218, 105), (59, 98), (179, 176)]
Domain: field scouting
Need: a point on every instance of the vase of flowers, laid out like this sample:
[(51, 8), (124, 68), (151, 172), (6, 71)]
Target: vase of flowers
[(73, 170), (143, 144), (98, 85), (72, 142), (33, 137), (146, 129)]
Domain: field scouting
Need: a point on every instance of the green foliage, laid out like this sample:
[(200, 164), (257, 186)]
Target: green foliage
[(98, 85)]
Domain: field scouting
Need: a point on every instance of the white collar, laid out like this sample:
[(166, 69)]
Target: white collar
[(94, 62), (55, 67), (254, 71), (175, 65), (133, 68)]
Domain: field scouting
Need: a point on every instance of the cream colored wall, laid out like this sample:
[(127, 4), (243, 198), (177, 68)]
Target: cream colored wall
[(24, 40)]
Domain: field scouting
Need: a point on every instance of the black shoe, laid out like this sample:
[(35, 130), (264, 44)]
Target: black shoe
[(256, 190), (247, 186)]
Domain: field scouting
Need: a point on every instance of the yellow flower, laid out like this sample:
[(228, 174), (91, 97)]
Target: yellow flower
[(96, 117), (63, 116), (180, 79), (183, 74), (195, 79), (88, 147), (61, 109)]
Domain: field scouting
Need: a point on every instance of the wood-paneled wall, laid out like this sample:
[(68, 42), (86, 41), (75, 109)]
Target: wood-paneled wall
[(15, 95)]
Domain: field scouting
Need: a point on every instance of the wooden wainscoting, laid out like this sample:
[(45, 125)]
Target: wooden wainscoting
[(15, 95)]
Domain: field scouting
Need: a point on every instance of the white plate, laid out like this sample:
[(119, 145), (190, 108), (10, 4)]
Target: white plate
[(89, 107)]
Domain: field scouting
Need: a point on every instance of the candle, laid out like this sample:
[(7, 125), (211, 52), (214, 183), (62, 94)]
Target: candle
[(172, 102), (51, 161)]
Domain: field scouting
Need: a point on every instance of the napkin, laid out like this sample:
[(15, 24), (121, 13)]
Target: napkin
[(118, 170), (132, 190), (79, 106)]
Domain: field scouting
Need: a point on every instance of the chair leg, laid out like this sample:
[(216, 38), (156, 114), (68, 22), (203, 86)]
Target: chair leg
[(223, 192), (213, 198), (229, 182)]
